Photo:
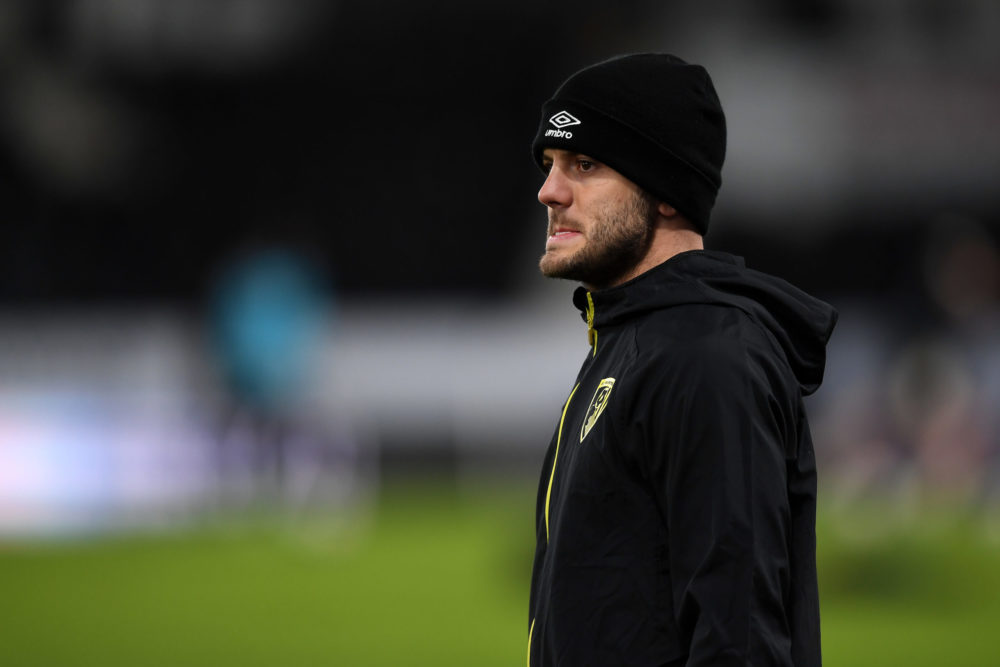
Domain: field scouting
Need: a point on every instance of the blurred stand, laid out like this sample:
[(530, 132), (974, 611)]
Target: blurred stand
[(101, 426)]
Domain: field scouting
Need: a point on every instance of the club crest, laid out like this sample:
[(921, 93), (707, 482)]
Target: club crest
[(597, 405)]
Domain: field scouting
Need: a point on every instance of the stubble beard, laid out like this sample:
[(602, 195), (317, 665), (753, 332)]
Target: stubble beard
[(618, 239)]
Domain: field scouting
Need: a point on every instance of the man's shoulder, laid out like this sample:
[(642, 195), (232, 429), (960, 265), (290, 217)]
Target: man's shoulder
[(704, 342), (693, 325)]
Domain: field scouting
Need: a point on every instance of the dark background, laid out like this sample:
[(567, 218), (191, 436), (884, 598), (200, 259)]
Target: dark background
[(140, 149)]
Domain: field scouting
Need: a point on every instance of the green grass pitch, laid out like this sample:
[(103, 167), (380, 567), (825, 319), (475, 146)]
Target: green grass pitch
[(439, 578)]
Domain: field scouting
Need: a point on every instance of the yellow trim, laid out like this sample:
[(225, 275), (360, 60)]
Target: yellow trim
[(552, 475), (531, 631), (591, 331)]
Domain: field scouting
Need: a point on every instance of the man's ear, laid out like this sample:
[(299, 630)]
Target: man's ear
[(674, 219), (666, 210)]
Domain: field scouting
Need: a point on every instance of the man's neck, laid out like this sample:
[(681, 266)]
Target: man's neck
[(665, 244)]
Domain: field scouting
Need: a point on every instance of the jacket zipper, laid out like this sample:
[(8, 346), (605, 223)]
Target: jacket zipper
[(548, 494), (591, 331), (592, 339), (555, 458), (531, 631)]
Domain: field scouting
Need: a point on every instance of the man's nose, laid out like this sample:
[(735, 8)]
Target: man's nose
[(555, 191)]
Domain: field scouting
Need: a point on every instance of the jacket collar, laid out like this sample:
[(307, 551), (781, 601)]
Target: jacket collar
[(799, 324), (669, 282)]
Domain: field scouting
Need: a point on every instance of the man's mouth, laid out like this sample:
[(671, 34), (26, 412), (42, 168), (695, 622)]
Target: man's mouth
[(562, 235)]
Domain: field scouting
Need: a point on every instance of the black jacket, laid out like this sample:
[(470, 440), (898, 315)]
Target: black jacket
[(677, 502)]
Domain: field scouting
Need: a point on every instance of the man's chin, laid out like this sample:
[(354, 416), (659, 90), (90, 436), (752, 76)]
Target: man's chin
[(553, 266), (593, 276), (561, 267)]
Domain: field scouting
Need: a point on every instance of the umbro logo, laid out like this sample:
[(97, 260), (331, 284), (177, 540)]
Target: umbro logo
[(564, 119), (560, 120)]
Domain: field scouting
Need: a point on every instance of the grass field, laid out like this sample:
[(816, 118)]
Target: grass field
[(440, 578)]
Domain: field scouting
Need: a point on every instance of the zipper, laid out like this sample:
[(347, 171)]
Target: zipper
[(548, 494), (591, 331), (531, 631), (592, 339), (555, 458)]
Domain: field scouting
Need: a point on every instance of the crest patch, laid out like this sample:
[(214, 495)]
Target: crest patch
[(597, 405)]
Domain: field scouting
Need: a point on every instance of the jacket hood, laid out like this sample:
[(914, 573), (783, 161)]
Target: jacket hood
[(799, 323)]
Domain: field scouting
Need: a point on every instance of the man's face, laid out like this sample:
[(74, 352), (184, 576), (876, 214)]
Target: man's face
[(600, 223)]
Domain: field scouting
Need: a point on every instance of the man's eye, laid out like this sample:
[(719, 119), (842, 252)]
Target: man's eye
[(585, 165), (546, 167)]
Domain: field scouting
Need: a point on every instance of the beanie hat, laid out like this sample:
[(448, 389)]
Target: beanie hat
[(651, 117)]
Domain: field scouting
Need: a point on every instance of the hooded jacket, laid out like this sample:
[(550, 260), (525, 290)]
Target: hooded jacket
[(676, 508)]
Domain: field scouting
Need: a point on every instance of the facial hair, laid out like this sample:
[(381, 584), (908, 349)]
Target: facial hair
[(616, 242)]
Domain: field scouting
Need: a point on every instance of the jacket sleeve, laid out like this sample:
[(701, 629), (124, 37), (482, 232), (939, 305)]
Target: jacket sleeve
[(716, 463)]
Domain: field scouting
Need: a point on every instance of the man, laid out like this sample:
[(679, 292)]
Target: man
[(676, 507)]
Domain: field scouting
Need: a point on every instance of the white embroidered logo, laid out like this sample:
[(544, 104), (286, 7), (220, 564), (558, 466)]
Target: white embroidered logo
[(564, 119), (561, 120)]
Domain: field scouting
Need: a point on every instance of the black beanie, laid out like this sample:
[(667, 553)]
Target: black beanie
[(651, 117)]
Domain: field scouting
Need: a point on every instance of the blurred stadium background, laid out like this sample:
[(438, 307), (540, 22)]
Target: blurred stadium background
[(277, 370)]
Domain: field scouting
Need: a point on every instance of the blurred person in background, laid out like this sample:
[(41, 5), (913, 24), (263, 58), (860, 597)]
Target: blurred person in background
[(944, 384), (271, 312), (676, 509)]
